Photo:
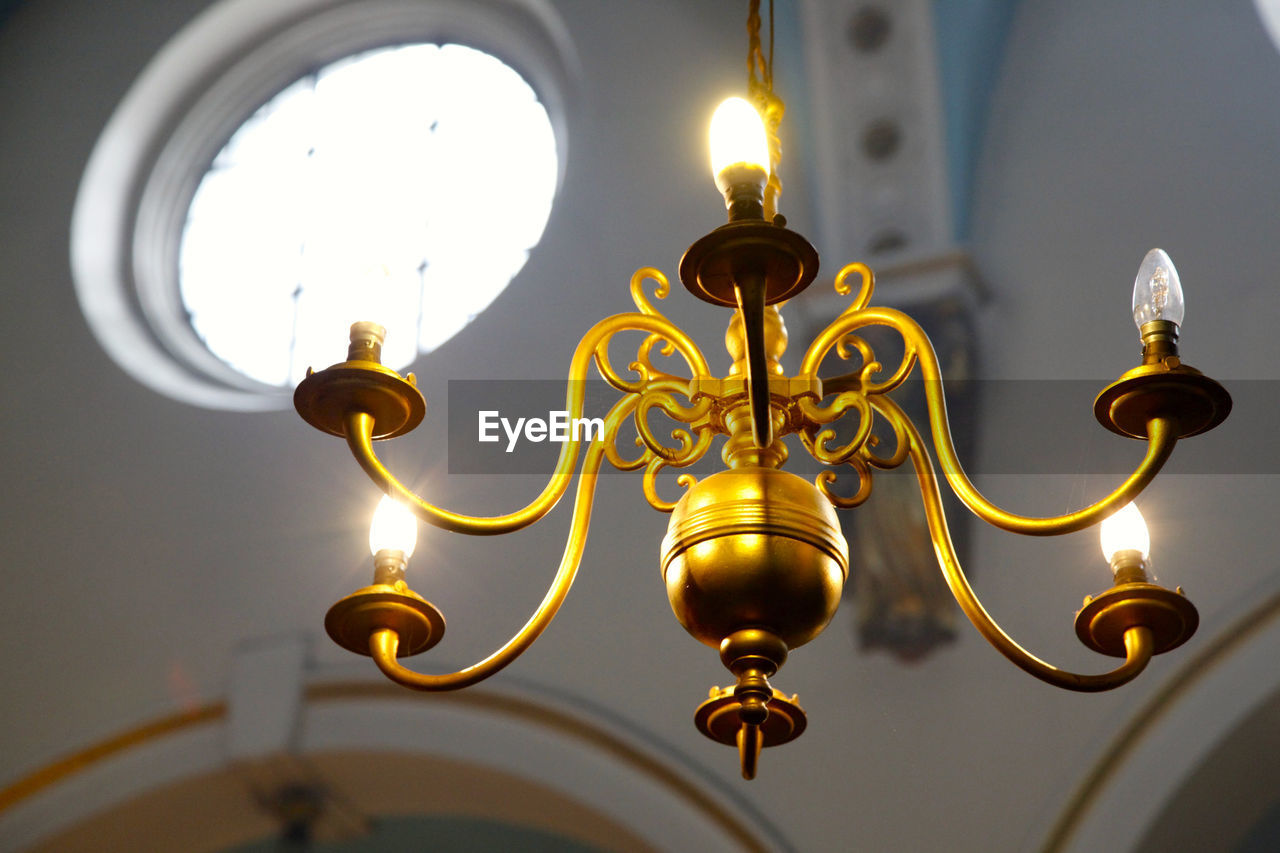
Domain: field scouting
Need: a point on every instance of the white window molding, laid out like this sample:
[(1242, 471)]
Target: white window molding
[(134, 197)]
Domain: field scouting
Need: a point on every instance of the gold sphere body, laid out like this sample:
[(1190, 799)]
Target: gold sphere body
[(754, 548)]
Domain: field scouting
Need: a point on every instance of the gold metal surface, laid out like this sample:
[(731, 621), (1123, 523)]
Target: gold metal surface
[(1137, 640), (754, 547), (393, 403), (1192, 402), (1103, 621), (712, 267), (753, 550), (719, 718), (750, 265), (418, 623), (592, 348)]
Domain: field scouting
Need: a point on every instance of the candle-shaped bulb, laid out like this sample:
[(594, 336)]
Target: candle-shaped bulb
[(1125, 531), (394, 528), (738, 138), (1157, 292)]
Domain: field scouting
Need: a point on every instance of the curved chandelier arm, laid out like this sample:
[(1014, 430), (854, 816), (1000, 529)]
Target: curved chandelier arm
[(1138, 641), (1161, 433), (359, 429), (359, 433), (384, 643), (1161, 438)]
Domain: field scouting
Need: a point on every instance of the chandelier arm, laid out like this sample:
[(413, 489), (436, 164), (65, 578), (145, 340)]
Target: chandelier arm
[(1138, 640), (359, 433), (1161, 432), (1161, 439), (384, 643), (359, 428)]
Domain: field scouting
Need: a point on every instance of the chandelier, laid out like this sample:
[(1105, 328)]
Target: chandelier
[(754, 560)]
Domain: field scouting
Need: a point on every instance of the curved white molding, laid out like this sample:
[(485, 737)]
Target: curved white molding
[(141, 176), (1269, 12), (617, 776), (1171, 737), (600, 766)]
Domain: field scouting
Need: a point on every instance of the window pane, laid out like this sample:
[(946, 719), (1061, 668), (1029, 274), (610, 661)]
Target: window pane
[(366, 191)]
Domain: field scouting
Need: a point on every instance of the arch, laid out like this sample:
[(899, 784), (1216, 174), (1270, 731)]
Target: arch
[(387, 751)]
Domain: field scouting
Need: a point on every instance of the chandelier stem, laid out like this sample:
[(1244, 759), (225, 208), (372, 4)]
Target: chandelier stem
[(750, 292)]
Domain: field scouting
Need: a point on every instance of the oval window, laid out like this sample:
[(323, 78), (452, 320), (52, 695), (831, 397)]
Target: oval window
[(405, 185), (398, 162)]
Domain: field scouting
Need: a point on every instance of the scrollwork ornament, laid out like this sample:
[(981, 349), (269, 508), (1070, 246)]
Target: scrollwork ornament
[(638, 278), (900, 425), (650, 485), (825, 479)]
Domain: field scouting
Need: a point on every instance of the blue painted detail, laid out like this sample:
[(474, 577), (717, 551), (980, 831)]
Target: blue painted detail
[(970, 38)]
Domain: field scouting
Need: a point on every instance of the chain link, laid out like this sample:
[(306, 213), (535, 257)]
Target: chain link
[(771, 107)]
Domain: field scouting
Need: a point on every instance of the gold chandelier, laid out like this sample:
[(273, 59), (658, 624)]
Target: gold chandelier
[(754, 559)]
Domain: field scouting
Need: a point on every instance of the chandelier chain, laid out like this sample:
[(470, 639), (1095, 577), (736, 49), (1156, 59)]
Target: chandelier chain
[(759, 67), (760, 89)]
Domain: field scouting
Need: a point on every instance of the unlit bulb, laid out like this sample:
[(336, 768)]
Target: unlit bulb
[(1125, 531), (1157, 292), (738, 137), (394, 528)]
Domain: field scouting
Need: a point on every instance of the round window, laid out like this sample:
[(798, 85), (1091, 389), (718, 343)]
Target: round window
[(405, 185), (391, 168)]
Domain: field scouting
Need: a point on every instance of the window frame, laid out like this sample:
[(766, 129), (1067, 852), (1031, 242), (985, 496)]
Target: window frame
[(132, 205)]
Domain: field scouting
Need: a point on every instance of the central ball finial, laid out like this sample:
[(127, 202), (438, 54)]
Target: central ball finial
[(754, 548)]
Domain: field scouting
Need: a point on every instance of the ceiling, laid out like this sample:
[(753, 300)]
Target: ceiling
[(161, 559)]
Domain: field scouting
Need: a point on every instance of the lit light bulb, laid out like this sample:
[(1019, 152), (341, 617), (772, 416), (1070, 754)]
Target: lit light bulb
[(1125, 531), (394, 528), (738, 137), (1157, 292)]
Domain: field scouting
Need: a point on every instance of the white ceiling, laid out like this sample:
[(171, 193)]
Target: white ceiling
[(147, 544)]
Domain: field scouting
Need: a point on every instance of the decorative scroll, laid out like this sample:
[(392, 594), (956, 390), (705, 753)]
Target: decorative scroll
[(654, 390)]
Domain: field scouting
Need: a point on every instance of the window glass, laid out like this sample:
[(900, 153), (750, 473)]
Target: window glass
[(404, 185)]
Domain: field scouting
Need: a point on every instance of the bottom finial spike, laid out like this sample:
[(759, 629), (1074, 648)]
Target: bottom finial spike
[(750, 741)]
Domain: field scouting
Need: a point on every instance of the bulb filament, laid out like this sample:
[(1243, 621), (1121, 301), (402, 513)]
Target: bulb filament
[(1159, 290)]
